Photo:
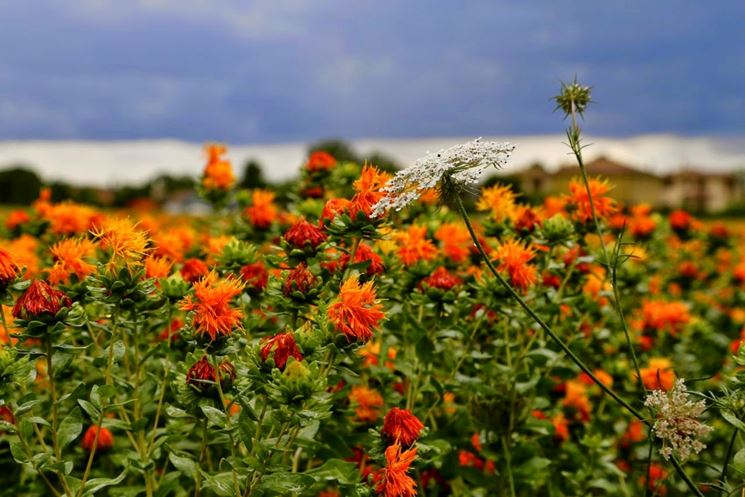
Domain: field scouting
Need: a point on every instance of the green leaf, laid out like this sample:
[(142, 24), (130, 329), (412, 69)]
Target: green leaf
[(90, 409), (70, 428), (214, 416), (343, 472), (37, 420), (185, 465), (733, 420), (738, 462), (283, 483), (94, 485)]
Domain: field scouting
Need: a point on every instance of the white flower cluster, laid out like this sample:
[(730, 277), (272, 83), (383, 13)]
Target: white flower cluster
[(464, 164), (677, 422)]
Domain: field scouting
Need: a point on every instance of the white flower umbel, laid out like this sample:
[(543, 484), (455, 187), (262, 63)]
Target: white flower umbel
[(677, 422), (463, 164)]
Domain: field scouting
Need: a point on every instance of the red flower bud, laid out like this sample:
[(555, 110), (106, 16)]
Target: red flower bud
[(283, 345), (255, 276), (104, 442), (194, 270), (38, 300), (303, 233)]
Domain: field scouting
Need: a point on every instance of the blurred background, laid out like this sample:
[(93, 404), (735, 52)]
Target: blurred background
[(110, 101)]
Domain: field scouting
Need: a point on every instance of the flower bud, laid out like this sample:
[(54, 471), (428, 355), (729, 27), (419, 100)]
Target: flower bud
[(40, 300), (103, 442)]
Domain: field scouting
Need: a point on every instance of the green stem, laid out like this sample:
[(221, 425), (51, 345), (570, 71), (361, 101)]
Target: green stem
[(730, 449)]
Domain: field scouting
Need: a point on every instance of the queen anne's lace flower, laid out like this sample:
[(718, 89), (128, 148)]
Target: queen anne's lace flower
[(677, 422), (463, 164)]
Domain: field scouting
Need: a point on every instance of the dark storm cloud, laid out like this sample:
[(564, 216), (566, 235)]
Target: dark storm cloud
[(279, 70)]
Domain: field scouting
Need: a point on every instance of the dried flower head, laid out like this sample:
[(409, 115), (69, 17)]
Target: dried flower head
[(461, 165), (677, 422)]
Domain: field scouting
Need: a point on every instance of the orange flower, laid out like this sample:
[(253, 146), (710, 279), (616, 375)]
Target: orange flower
[(334, 207), (282, 346), (561, 427), (157, 267), (413, 245), (218, 173), (442, 279), (303, 233), (514, 258), (456, 241), (124, 241), (401, 426), (604, 206), (499, 200), (575, 397), (69, 259), (69, 218), (22, 251), (213, 315), (16, 218), (658, 375), (8, 268), (320, 161), (194, 269), (393, 480), (262, 212), (368, 187), (101, 439), (356, 310), (663, 316), (368, 403)]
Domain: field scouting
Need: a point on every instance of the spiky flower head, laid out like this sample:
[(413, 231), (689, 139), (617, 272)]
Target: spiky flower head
[(677, 422), (453, 167), (573, 98)]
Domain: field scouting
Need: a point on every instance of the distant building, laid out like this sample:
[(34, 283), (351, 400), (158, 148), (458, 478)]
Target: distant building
[(693, 190)]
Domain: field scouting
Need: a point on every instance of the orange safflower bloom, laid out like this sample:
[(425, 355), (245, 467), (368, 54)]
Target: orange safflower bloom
[(658, 375), (157, 267), (578, 197), (69, 218), (575, 397), (401, 426), (16, 218), (8, 268), (262, 212), (456, 241), (22, 251), (514, 258), (69, 258), (442, 279), (126, 243), (101, 439), (194, 269), (367, 403), (413, 245), (356, 310), (393, 480), (218, 173), (303, 233), (661, 316), (320, 161), (561, 427), (642, 225), (368, 187), (499, 200), (213, 314), (334, 207)]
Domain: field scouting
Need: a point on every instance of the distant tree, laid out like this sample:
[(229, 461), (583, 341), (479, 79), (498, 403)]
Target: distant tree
[(253, 175), (383, 162), (61, 190), (338, 148), (19, 186)]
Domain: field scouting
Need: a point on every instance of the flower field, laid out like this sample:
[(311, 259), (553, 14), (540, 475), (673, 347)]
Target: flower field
[(370, 335)]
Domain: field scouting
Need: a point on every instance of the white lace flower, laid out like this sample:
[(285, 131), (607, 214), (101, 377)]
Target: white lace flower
[(677, 422), (463, 164)]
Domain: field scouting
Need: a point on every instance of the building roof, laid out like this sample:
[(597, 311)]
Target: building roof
[(603, 166)]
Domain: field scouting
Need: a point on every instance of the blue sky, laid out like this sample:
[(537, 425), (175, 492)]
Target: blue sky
[(296, 70)]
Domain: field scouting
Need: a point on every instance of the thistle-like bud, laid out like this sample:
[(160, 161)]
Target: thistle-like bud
[(573, 98), (40, 300)]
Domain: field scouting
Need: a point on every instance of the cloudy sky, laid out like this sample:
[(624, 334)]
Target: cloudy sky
[(270, 71)]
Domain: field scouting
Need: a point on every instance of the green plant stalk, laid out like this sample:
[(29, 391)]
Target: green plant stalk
[(40, 472), (226, 410), (692, 486), (55, 413), (91, 455), (730, 449), (574, 144)]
